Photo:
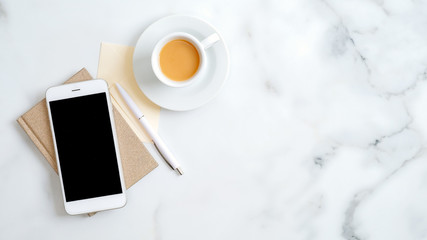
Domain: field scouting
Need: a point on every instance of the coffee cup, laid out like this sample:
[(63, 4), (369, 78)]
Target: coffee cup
[(179, 59)]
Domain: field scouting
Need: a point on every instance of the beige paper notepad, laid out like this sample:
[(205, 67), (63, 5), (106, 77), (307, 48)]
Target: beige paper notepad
[(115, 65), (136, 160)]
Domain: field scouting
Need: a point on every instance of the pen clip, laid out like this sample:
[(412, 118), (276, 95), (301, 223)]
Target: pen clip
[(158, 150)]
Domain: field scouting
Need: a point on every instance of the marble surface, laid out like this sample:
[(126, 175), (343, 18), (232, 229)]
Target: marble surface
[(320, 132)]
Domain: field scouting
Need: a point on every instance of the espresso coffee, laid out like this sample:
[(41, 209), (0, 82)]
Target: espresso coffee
[(179, 60)]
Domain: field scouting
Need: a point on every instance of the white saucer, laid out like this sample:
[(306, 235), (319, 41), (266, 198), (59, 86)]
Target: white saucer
[(198, 93)]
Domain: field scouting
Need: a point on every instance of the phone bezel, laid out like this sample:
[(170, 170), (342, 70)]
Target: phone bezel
[(79, 89)]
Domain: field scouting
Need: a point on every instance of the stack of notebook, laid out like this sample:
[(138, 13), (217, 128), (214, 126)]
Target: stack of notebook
[(136, 160)]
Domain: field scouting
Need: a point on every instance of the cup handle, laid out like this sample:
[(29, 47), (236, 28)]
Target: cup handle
[(209, 41)]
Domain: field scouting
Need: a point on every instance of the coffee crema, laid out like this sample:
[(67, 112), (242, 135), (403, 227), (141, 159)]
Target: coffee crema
[(179, 60)]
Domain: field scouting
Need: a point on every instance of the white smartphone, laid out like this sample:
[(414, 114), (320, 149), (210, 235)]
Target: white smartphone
[(86, 147)]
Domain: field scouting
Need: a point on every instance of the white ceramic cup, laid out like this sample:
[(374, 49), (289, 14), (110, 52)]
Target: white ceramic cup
[(200, 46)]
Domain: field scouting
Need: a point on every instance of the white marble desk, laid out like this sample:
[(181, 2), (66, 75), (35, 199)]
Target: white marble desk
[(320, 132)]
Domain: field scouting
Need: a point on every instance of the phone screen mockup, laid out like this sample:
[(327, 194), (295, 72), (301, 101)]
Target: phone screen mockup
[(85, 146)]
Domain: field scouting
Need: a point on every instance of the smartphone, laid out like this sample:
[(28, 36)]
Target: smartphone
[(86, 147)]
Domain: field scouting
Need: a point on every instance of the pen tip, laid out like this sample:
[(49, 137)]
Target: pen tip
[(179, 171)]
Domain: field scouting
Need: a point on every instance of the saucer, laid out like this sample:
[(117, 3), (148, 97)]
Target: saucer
[(198, 93)]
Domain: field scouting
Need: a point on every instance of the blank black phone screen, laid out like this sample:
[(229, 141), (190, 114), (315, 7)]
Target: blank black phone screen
[(86, 152)]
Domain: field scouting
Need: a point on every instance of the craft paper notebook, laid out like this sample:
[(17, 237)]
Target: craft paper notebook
[(136, 160)]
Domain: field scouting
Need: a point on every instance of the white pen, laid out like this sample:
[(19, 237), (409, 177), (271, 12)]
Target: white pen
[(160, 145)]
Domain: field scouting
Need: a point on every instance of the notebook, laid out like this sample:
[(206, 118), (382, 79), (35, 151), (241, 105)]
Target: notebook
[(136, 160)]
